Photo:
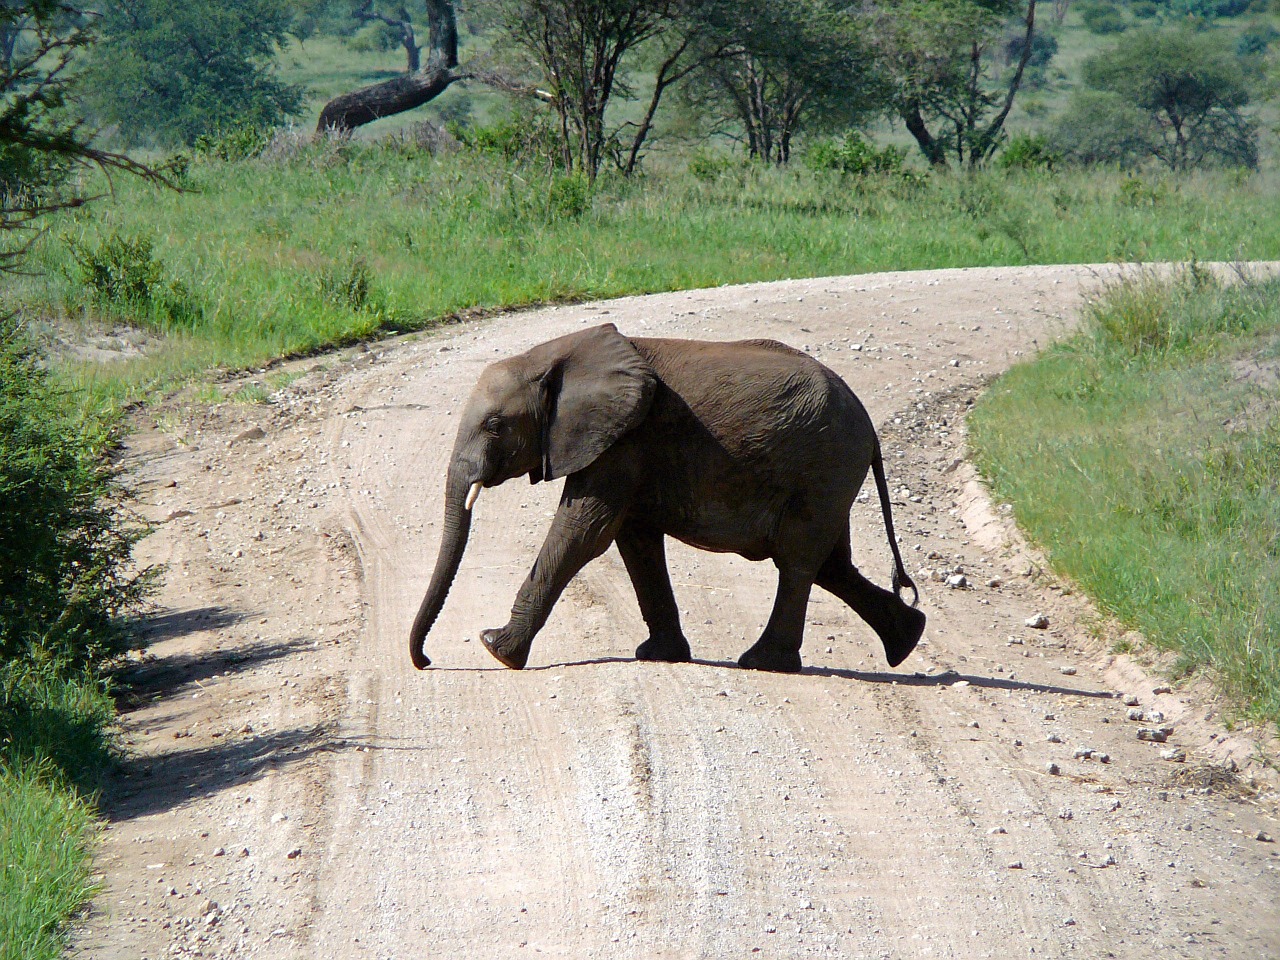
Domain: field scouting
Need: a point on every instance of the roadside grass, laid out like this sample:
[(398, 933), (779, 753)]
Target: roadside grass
[(1144, 455), (53, 746), (67, 583), (331, 242)]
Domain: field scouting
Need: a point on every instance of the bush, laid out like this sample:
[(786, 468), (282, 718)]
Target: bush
[(1102, 19), (1256, 41), (66, 578), (1101, 128), (568, 196), (855, 155), (347, 285), (1028, 151), (1144, 9), (123, 272), (524, 139), (234, 141)]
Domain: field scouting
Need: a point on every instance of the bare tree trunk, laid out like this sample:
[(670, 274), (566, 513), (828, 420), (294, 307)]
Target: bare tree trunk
[(929, 146), (991, 137), (350, 110)]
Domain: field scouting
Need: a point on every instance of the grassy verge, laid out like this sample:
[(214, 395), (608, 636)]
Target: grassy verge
[(1144, 455), (317, 244), (66, 583), (53, 745)]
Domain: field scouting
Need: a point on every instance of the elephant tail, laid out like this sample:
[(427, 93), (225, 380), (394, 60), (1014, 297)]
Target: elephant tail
[(900, 577)]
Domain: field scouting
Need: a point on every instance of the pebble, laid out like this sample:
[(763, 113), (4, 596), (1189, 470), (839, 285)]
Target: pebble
[(1154, 734), (1083, 753), (957, 581), (1175, 755), (1131, 700), (1016, 865), (220, 852), (1038, 622), (995, 830), (1136, 714), (1102, 757), (1053, 738), (294, 853), (1164, 689), (1052, 769), (1264, 837), (1067, 671)]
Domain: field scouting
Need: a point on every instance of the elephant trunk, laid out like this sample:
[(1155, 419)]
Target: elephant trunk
[(459, 497)]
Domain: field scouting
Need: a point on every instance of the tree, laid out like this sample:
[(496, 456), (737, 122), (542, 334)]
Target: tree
[(939, 57), (1191, 92), (780, 63), (168, 72), (580, 47), (41, 142), (418, 86)]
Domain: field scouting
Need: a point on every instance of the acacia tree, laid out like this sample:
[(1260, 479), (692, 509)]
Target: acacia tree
[(579, 47), (1191, 91), (940, 58), (399, 20), (780, 63)]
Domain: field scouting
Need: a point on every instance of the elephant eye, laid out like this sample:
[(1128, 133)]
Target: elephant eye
[(493, 424)]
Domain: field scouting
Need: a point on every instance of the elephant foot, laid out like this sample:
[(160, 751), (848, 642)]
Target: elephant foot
[(769, 657), (910, 627), (667, 650), (505, 649)]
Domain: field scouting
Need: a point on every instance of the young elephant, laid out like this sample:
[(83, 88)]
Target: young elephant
[(750, 448)]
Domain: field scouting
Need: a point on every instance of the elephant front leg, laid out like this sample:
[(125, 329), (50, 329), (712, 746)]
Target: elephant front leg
[(584, 526), (644, 553)]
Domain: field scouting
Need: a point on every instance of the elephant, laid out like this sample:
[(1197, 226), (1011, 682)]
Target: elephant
[(750, 447)]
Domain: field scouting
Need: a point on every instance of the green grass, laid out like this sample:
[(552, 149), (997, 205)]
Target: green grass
[(333, 243), (1144, 455), (53, 747)]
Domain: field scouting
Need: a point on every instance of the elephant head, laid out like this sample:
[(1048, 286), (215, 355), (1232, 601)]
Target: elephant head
[(546, 413)]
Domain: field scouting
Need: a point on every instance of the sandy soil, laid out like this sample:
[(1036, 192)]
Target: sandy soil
[(293, 788)]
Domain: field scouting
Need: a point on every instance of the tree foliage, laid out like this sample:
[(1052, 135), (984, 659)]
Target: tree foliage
[(1179, 97), (169, 72), (41, 140), (941, 60), (783, 64)]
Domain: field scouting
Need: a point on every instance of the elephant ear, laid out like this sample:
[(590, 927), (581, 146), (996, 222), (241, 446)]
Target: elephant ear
[(596, 388)]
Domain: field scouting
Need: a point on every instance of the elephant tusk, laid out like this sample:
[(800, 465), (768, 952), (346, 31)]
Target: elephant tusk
[(472, 494)]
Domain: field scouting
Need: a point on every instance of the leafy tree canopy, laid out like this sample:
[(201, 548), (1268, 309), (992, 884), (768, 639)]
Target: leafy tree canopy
[(1190, 88), (169, 72)]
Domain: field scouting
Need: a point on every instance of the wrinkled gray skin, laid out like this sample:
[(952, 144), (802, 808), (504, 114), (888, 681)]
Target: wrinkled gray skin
[(750, 448)]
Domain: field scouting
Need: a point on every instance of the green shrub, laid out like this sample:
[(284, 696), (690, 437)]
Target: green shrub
[(1103, 19), (1028, 151), (235, 141), (66, 579), (527, 138), (123, 272), (707, 167), (568, 196), (348, 284), (853, 154)]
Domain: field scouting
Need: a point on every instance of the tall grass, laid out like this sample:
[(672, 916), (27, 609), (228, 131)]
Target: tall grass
[(244, 265), (1144, 454)]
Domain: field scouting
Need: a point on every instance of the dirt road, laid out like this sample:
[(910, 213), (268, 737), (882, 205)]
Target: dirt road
[(295, 789)]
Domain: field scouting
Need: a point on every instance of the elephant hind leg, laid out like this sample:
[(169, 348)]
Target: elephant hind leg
[(898, 625), (778, 648), (644, 552)]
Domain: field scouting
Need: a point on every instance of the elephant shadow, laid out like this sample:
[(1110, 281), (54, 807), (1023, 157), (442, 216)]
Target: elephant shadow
[(946, 678)]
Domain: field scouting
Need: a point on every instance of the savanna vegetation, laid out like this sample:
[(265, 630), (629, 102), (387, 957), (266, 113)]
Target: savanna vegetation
[(1144, 454), (247, 180)]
